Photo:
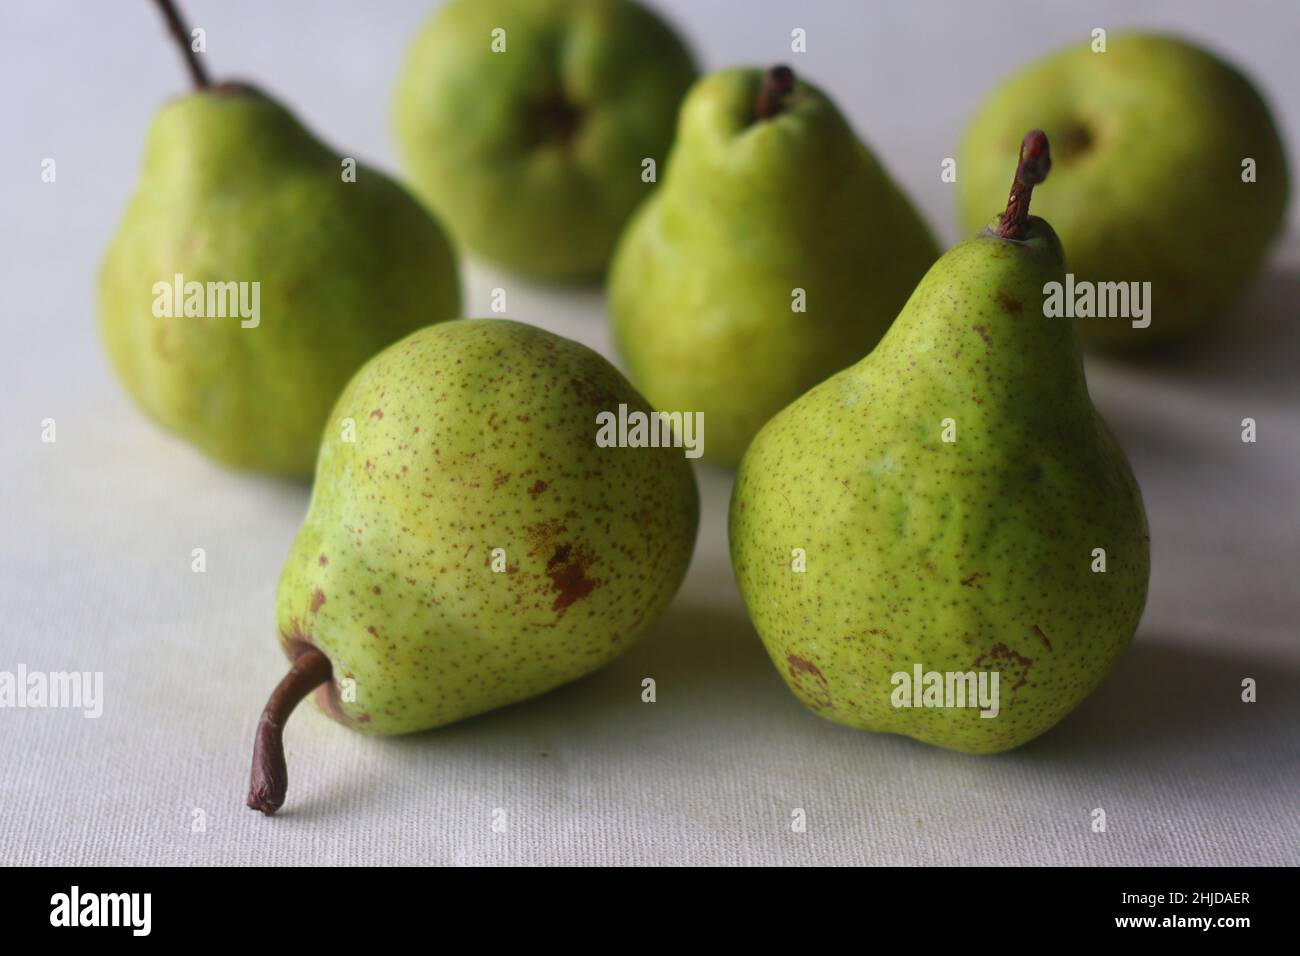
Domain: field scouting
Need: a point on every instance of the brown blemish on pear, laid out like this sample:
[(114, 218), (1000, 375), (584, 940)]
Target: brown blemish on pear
[(453, 470), (852, 471)]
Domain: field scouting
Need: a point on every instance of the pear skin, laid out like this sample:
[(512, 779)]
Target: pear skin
[(977, 553), (775, 253), (1151, 140), (235, 190), (469, 544), (526, 125)]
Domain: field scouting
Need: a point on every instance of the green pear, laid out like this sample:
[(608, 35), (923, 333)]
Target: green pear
[(293, 266), (527, 125), (952, 504), (776, 253), (469, 544), (1169, 170)]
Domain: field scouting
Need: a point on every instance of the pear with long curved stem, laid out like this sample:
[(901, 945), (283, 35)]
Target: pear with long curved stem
[(269, 780), (473, 545), (954, 506)]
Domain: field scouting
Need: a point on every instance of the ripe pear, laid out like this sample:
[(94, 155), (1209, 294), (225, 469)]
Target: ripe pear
[(527, 125), (468, 543), (1169, 170), (777, 252), (234, 190), (953, 502)]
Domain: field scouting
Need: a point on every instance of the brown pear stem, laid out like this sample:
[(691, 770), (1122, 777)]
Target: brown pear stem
[(778, 83), (269, 780), (173, 17), (1031, 169)]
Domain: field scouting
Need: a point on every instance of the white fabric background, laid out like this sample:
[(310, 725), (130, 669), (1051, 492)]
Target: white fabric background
[(98, 528)]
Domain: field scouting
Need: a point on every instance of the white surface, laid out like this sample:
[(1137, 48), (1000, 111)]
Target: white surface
[(98, 527)]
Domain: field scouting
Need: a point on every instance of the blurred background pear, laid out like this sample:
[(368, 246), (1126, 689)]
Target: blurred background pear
[(776, 252), (526, 124), (1169, 169), (237, 196)]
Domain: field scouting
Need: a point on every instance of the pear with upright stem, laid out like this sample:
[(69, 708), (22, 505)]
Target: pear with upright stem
[(954, 505)]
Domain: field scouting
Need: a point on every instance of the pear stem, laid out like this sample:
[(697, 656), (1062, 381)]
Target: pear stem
[(778, 83), (269, 780), (173, 17), (1031, 169)]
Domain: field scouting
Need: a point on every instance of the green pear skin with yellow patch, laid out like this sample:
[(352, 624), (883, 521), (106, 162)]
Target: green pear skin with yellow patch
[(472, 436), (526, 123), (702, 291), (968, 555), (234, 189), (1149, 140)]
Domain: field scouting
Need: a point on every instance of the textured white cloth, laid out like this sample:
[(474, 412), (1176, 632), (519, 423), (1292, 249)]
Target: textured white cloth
[(98, 530)]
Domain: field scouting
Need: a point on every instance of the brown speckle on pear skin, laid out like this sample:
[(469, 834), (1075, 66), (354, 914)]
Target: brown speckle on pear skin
[(1001, 658), (541, 534), (317, 599), (1009, 303), (295, 635), (377, 413), (593, 394), (1043, 637), (323, 561), (809, 682), (1010, 512), (568, 573), (485, 444)]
